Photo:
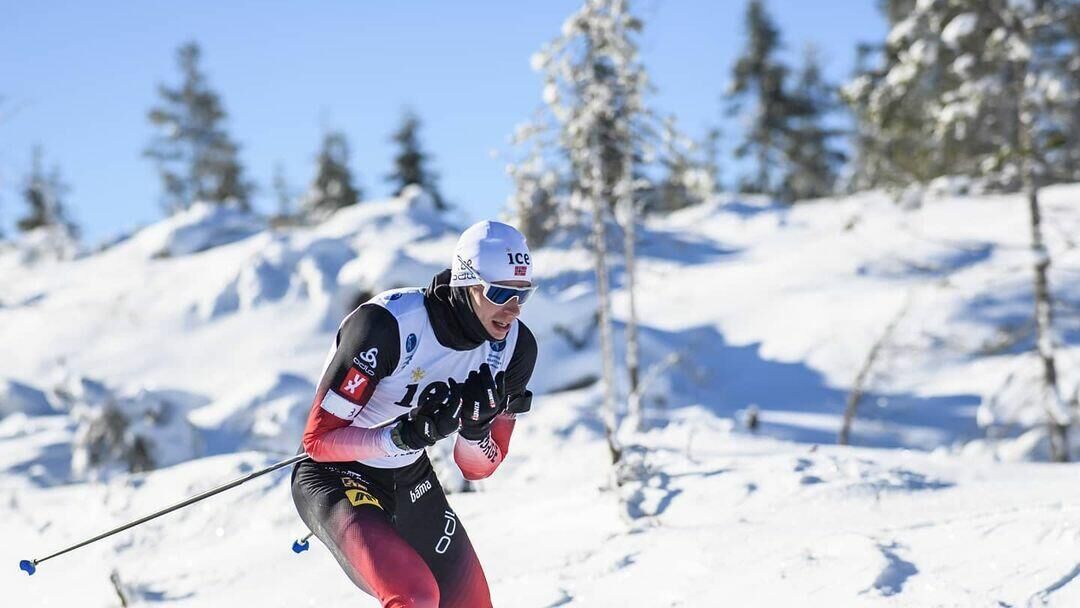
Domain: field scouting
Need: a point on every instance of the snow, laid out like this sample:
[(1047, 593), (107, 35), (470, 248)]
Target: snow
[(923, 52), (902, 73), (200, 227), (902, 30), (23, 399), (766, 307), (38, 247), (963, 65), (958, 29)]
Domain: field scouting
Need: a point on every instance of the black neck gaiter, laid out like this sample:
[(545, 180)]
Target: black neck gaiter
[(452, 317)]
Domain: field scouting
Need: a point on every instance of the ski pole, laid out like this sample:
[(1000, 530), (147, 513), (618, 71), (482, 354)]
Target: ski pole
[(30, 565), (300, 545)]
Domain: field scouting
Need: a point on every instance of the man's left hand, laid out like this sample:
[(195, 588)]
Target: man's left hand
[(483, 397)]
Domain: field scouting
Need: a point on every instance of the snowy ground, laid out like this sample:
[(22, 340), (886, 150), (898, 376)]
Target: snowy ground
[(763, 306)]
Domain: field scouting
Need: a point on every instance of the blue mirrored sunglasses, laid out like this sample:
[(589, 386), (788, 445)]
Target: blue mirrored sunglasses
[(501, 294)]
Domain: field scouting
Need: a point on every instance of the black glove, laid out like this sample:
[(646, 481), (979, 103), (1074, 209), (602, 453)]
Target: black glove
[(519, 404), (483, 397), (438, 416)]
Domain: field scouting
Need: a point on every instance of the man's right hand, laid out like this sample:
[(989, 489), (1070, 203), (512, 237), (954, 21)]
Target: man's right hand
[(438, 416)]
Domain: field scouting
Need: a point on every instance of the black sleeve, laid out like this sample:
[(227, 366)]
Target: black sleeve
[(520, 369), (368, 343), (372, 326)]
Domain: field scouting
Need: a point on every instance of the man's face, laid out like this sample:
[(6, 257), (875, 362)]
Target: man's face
[(496, 319)]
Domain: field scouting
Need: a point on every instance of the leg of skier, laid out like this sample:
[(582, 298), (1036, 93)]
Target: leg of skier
[(426, 521), (352, 517)]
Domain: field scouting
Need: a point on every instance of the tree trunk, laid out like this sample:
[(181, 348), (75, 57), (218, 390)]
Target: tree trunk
[(633, 365), (1044, 342), (1044, 318), (763, 186), (607, 351)]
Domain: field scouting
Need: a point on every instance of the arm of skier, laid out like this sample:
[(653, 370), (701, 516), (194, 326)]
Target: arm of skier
[(479, 456), (368, 348)]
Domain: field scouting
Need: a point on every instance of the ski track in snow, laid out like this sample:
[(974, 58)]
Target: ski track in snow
[(1044, 595)]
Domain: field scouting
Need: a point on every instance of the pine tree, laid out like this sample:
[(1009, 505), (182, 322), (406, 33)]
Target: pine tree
[(39, 197), (811, 161), (992, 88), (283, 193), (538, 189), (332, 188), (44, 193), (594, 88), (943, 101), (1063, 143), (871, 164), (687, 180), (195, 157), (411, 161), (760, 77), (710, 147), (896, 10), (543, 201), (892, 143)]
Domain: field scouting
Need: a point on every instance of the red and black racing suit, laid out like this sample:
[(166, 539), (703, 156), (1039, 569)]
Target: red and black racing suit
[(392, 529)]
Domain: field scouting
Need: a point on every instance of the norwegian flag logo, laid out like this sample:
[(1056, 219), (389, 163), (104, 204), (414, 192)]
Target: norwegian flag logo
[(353, 385), (520, 271)]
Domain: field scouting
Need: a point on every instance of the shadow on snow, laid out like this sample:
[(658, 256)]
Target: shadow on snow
[(794, 401)]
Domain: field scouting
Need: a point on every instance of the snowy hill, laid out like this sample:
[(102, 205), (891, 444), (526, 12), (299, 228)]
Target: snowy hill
[(207, 332)]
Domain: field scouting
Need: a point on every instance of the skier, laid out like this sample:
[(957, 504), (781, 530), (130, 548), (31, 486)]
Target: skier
[(451, 358)]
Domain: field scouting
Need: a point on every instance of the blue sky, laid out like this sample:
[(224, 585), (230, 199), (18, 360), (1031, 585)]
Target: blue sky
[(79, 77)]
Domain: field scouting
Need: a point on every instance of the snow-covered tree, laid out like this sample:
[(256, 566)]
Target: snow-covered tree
[(896, 10), (870, 160), (195, 157), (411, 161), (332, 188), (44, 193), (947, 96), (890, 142), (539, 188), (594, 88), (690, 172), (812, 162), (991, 90), (760, 78), (709, 182), (283, 192)]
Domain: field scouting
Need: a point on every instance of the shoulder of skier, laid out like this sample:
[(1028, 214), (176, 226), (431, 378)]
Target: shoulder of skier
[(520, 369), (369, 340)]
